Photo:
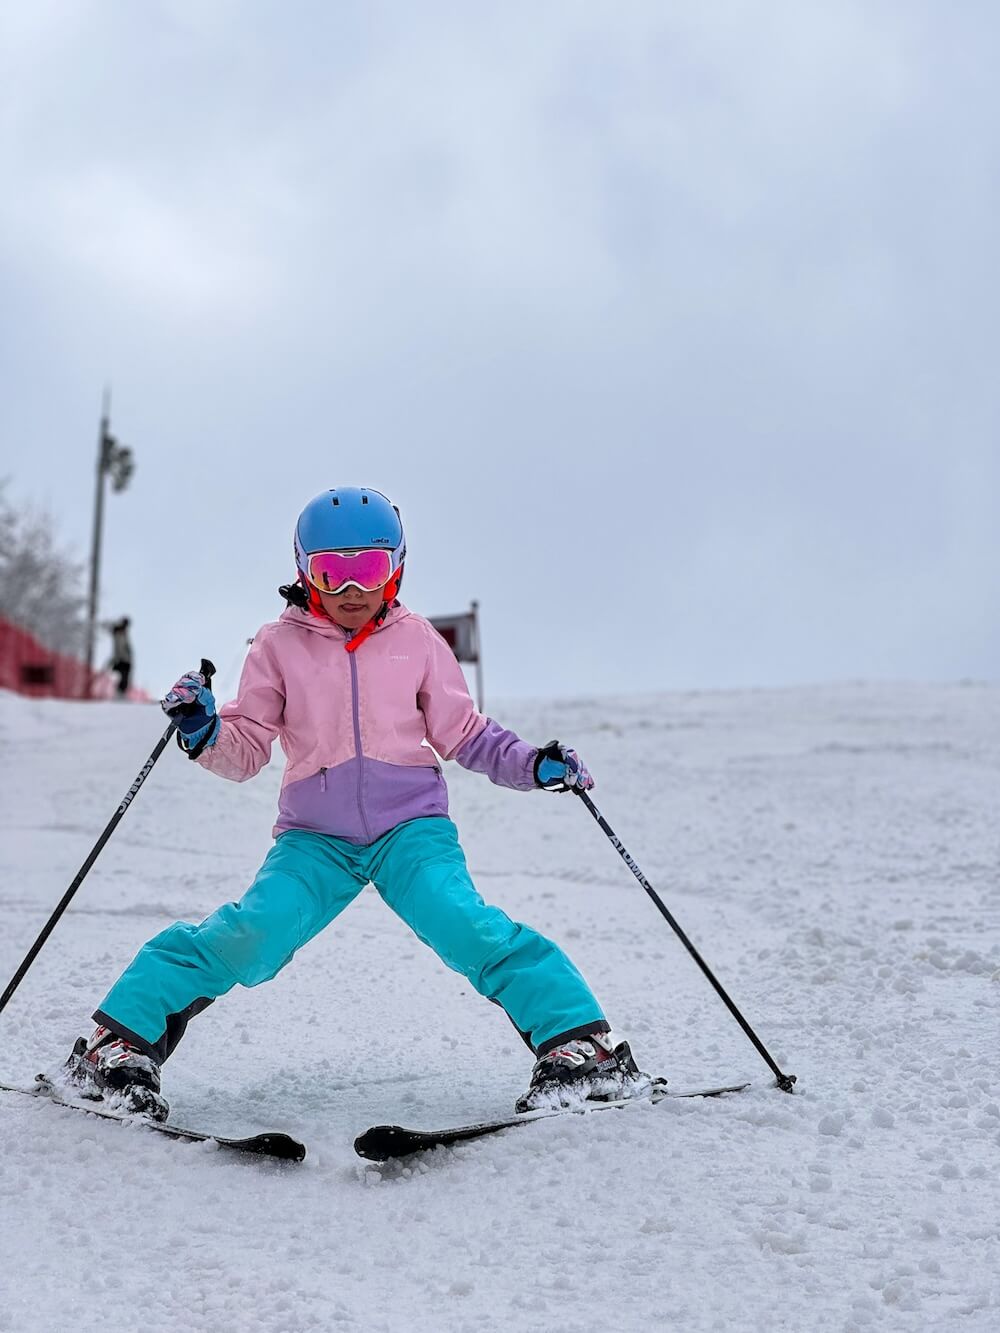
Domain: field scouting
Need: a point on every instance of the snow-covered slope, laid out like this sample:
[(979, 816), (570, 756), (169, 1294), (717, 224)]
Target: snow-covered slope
[(833, 852)]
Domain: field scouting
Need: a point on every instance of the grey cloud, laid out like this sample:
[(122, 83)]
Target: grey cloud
[(671, 329)]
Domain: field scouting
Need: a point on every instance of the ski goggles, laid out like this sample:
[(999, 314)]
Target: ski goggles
[(332, 571)]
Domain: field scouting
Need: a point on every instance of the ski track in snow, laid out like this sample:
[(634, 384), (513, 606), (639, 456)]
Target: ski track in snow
[(832, 851)]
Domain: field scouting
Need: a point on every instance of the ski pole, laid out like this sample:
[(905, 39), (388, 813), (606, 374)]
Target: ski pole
[(208, 671), (785, 1081)]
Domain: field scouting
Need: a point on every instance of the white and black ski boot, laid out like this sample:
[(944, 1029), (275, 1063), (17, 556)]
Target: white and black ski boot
[(595, 1068), (110, 1069)]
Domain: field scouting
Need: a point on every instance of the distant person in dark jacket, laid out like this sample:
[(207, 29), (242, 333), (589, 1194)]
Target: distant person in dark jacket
[(121, 654)]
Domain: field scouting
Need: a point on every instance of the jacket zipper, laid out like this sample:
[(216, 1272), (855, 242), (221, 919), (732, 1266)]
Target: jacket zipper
[(356, 709), (322, 779)]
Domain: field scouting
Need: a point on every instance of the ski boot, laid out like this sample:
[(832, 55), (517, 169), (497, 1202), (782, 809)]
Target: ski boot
[(110, 1069), (595, 1068)]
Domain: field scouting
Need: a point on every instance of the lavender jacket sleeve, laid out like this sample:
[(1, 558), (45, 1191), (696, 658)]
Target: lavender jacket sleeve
[(457, 731), (502, 756)]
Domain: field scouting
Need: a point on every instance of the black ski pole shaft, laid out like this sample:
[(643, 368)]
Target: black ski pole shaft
[(785, 1081), (208, 670)]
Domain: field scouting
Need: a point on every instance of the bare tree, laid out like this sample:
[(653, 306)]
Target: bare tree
[(41, 585)]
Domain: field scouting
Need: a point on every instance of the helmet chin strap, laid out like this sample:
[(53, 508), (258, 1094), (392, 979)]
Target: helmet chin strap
[(389, 594)]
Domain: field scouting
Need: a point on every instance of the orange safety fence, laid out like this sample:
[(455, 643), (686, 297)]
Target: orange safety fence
[(27, 667)]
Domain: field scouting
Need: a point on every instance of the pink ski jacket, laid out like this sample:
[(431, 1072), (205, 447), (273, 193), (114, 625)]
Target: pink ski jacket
[(357, 728)]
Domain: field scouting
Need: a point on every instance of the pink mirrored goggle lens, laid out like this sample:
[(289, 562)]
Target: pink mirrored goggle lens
[(330, 571)]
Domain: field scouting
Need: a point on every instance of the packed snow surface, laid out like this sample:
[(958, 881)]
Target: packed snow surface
[(833, 852)]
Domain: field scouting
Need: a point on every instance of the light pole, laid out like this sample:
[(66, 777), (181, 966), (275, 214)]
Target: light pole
[(114, 460)]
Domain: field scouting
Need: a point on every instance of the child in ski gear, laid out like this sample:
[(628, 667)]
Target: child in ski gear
[(357, 689)]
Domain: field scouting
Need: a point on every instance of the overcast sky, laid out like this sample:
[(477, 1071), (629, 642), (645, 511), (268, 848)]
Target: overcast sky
[(671, 328)]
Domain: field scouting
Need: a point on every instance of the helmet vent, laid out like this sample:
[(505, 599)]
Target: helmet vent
[(364, 499), (336, 500)]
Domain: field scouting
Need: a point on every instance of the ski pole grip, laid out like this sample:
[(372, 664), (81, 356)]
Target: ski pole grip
[(207, 669)]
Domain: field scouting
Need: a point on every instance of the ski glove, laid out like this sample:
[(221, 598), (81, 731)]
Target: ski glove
[(191, 705), (560, 769)]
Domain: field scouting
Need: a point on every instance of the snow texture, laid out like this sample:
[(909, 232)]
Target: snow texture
[(833, 853)]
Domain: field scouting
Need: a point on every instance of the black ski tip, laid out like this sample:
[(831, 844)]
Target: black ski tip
[(381, 1142), (282, 1146), (272, 1143)]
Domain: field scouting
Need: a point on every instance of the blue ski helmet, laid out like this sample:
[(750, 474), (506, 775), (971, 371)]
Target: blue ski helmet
[(349, 518)]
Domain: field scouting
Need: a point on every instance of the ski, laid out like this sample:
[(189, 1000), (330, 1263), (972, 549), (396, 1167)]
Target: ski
[(272, 1144), (383, 1143)]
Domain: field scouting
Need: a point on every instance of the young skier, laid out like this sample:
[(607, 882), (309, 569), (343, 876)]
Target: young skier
[(353, 684)]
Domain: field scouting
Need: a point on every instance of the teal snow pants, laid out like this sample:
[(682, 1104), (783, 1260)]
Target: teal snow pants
[(309, 878)]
